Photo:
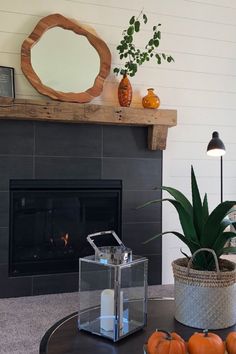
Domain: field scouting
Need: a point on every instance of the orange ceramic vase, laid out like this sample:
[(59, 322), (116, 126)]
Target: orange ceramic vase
[(125, 92), (151, 100)]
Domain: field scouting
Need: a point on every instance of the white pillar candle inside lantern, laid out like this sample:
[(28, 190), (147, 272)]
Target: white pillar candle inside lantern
[(112, 290), (108, 311)]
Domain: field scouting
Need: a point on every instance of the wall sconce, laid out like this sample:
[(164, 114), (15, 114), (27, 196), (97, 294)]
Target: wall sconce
[(216, 148)]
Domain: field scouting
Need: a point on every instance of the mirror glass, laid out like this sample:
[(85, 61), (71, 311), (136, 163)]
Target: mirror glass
[(71, 67)]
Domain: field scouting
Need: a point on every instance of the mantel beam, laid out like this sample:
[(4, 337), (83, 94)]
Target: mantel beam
[(158, 121)]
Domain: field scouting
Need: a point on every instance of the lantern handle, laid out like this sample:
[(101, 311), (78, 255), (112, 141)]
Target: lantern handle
[(101, 233)]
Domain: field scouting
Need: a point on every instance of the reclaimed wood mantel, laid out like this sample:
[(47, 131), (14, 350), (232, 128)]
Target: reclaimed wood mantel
[(158, 121)]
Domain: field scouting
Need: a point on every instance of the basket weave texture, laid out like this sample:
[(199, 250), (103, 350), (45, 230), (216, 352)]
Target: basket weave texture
[(205, 299), (205, 278)]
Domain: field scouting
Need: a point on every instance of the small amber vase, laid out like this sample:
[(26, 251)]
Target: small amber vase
[(125, 92), (151, 100)]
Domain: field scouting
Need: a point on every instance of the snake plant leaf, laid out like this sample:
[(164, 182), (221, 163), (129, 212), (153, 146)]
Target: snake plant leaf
[(229, 250), (205, 210), (225, 223), (185, 254), (191, 244), (184, 217), (225, 250), (197, 206), (212, 226), (221, 240), (150, 202), (180, 197), (186, 221)]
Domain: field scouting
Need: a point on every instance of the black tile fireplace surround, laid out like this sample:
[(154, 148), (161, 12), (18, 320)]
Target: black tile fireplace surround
[(36, 150)]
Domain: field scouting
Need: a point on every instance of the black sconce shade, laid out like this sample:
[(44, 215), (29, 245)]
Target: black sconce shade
[(216, 146)]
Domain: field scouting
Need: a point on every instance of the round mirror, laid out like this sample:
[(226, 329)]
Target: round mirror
[(64, 61)]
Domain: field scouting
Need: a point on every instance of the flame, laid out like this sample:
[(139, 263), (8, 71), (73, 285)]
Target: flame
[(65, 238)]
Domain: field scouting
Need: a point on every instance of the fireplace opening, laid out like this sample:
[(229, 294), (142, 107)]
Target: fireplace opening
[(50, 220)]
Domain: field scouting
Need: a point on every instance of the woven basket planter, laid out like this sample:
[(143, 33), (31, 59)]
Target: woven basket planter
[(205, 299)]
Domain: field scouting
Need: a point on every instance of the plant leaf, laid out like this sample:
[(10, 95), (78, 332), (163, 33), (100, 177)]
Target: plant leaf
[(205, 210), (184, 216), (180, 197), (145, 18), (231, 250), (130, 30), (137, 26), (185, 254), (185, 221), (158, 58), (197, 206), (151, 202), (151, 41), (131, 21), (170, 59), (212, 228), (221, 240), (191, 245)]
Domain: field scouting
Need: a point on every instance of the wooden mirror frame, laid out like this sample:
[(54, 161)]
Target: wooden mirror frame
[(57, 20)]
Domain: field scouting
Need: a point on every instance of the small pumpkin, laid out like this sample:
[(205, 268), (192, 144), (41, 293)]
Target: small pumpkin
[(163, 342), (205, 343), (231, 343)]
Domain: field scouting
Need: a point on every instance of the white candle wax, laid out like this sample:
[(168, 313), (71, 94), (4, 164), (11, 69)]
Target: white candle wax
[(107, 309)]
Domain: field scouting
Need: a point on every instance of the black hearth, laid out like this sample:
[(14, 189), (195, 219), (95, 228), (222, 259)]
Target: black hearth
[(50, 220)]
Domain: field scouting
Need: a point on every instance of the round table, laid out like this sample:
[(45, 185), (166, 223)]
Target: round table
[(65, 338)]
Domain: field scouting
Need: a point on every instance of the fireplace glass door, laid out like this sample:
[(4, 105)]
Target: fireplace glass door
[(50, 220)]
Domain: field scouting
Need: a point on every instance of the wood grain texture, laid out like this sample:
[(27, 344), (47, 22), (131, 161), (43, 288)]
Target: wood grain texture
[(157, 137), (57, 20), (158, 120)]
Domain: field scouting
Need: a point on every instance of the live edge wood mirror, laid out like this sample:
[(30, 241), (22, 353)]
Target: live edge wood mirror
[(64, 61)]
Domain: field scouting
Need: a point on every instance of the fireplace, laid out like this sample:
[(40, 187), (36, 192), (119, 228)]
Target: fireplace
[(50, 220)]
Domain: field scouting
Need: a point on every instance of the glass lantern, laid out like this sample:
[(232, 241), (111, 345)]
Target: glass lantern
[(112, 291)]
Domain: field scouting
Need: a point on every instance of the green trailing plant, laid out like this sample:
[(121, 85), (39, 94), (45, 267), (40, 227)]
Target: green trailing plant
[(134, 56), (201, 229)]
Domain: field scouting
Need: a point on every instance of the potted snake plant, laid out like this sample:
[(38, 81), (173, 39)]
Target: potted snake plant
[(203, 279)]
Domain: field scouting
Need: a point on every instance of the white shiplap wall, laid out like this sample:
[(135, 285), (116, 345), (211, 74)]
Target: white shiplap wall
[(201, 84)]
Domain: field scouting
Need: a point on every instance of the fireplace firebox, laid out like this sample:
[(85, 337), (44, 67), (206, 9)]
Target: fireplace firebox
[(50, 220)]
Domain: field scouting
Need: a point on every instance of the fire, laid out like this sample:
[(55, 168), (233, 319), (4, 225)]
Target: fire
[(65, 238)]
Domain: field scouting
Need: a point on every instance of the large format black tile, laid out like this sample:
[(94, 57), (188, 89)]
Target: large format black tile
[(4, 209), (127, 142), (137, 174), (135, 234), (56, 283), (154, 270), (133, 199), (4, 245), (13, 167), (59, 139), (16, 138), (14, 287), (67, 167)]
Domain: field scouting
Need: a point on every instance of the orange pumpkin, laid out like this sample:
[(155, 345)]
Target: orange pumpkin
[(205, 343), (231, 343), (162, 342)]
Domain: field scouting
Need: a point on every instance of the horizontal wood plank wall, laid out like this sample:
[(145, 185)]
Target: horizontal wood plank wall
[(201, 84)]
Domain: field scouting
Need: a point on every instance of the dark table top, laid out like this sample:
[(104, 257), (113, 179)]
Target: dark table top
[(65, 338)]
